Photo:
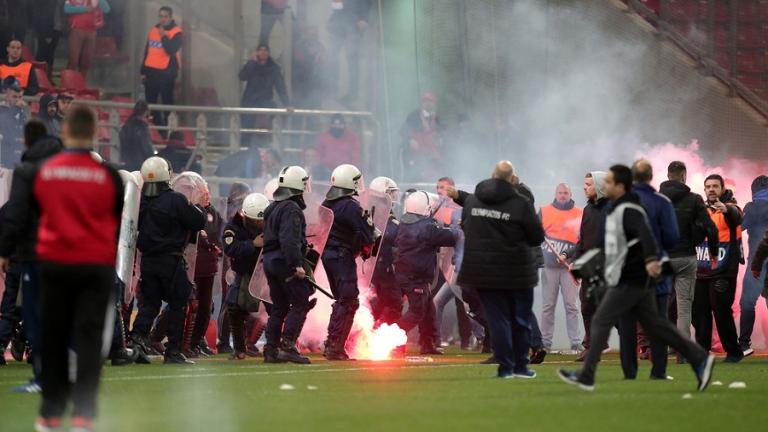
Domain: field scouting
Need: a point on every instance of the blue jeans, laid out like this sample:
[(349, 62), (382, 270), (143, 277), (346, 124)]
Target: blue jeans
[(509, 315), (750, 293)]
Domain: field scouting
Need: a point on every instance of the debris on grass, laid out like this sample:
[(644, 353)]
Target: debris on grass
[(738, 385), (687, 396), (286, 387), (311, 387), (717, 383)]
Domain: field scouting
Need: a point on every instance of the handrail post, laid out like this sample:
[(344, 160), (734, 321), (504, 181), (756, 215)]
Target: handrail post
[(201, 138), (114, 134), (234, 132)]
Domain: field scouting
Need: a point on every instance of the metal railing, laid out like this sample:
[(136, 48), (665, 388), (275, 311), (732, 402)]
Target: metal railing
[(703, 52), (218, 131)]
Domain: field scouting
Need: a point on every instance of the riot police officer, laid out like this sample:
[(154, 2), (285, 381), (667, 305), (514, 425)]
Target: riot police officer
[(167, 222), (243, 241), (285, 245), (352, 234), (388, 305)]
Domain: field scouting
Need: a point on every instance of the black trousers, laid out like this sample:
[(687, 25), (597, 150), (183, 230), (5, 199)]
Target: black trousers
[(46, 48), (163, 278), (628, 333), (158, 88), (715, 297), (640, 301), (10, 313), (77, 314), (588, 309)]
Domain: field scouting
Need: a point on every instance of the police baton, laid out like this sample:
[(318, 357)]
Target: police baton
[(315, 286)]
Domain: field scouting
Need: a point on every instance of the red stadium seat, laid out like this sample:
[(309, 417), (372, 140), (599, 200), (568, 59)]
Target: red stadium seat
[(43, 81), (124, 113), (74, 80), (26, 54)]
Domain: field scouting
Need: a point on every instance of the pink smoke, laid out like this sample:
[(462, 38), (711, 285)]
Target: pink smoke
[(738, 175)]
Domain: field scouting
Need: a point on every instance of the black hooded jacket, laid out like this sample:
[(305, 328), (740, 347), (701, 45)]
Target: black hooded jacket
[(262, 81), (18, 231), (501, 229), (692, 220), (52, 124)]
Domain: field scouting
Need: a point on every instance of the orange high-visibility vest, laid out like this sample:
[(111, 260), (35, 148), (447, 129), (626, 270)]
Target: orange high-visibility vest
[(157, 58), (723, 230), (21, 72), (562, 225)]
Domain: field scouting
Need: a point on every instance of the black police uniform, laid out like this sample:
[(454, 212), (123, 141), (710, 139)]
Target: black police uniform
[(238, 246), (352, 233), (285, 244), (388, 304), (167, 222)]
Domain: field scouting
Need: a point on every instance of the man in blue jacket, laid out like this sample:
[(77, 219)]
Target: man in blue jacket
[(663, 223), (756, 224)]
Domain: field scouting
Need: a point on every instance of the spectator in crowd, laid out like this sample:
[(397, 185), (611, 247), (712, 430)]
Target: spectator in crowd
[(48, 114), (243, 164), (178, 154), (135, 142), (338, 145), (13, 20), (755, 224), (13, 65), (271, 12), (263, 78), (420, 135), (85, 17), (161, 63), (346, 27), (311, 163), (12, 119), (63, 102), (48, 21)]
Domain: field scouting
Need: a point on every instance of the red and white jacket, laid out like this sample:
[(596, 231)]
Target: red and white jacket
[(80, 204)]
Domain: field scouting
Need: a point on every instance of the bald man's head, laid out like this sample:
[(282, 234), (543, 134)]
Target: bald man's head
[(504, 170), (563, 193), (642, 171)]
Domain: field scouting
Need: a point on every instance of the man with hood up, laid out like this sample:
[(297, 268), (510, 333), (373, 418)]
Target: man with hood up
[(501, 229), (590, 236), (755, 224), (47, 115)]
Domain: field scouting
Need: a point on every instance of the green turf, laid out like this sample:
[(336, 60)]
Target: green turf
[(451, 394)]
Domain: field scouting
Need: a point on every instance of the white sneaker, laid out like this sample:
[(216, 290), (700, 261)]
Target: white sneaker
[(748, 352)]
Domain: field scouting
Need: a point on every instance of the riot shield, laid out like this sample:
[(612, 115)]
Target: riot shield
[(319, 221), (378, 206), (258, 286), (191, 185), (126, 246)]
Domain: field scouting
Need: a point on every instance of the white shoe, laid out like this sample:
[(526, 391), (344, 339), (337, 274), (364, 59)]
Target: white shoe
[(748, 352)]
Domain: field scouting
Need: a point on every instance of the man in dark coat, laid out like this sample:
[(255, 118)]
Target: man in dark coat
[(263, 78), (135, 142), (501, 229)]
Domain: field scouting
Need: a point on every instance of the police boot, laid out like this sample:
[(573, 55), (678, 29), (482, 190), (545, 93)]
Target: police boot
[(123, 356), (256, 331), (271, 354), (176, 357), (334, 350), (139, 345), (289, 353)]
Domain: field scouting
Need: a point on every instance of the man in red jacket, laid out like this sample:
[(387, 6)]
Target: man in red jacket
[(80, 203)]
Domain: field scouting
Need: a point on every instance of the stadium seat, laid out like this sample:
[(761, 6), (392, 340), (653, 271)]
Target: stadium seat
[(750, 61), (43, 81), (74, 80), (26, 54)]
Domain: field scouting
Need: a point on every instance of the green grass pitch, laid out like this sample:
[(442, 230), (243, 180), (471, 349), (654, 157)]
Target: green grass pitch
[(453, 393)]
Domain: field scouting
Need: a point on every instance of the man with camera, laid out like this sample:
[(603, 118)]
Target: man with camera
[(631, 265)]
